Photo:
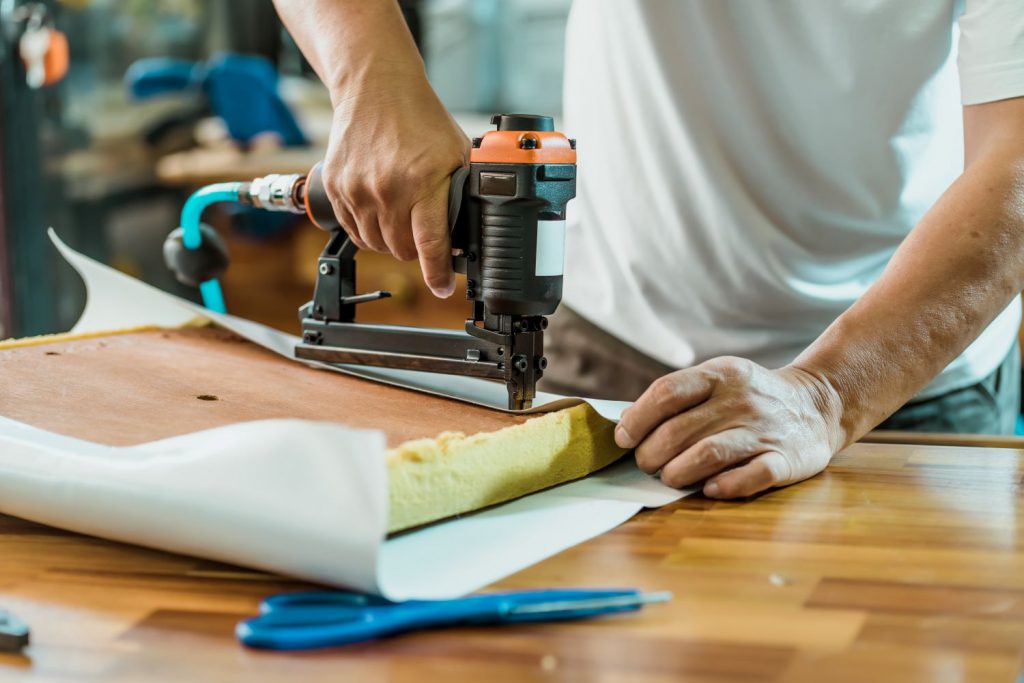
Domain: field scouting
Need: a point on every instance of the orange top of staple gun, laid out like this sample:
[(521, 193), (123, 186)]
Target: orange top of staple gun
[(523, 147)]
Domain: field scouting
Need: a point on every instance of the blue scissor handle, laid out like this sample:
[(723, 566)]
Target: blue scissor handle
[(314, 607), (294, 621)]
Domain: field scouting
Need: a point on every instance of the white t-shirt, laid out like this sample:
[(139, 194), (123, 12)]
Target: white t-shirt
[(747, 168)]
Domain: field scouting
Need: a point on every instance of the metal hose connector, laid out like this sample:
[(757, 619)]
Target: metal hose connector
[(277, 192)]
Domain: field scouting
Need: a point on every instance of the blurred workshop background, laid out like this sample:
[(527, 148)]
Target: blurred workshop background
[(161, 97)]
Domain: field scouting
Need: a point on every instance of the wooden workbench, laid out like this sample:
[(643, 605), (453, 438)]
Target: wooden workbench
[(900, 563)]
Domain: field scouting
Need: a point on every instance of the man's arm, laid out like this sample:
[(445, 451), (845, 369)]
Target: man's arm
[(949, 279), (393, 145), (747, 429)]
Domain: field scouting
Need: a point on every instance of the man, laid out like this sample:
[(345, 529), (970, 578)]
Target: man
[(791, 182)]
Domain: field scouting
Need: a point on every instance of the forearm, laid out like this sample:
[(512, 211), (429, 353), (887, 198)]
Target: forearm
[(387, 180), (950, 278), (346, 40)]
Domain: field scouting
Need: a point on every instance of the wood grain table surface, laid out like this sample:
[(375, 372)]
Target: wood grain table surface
[(901, 562)]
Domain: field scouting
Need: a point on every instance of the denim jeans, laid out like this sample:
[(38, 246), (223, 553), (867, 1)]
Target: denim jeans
[(989, 407), (584, 360)]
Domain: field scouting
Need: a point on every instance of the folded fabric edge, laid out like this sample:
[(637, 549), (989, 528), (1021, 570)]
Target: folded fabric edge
[(252, 517)]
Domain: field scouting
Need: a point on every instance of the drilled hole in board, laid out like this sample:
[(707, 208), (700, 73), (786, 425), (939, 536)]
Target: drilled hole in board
[(207, 397)]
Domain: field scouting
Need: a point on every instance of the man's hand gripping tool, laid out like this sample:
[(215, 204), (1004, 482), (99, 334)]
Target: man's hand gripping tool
[(507, 219)]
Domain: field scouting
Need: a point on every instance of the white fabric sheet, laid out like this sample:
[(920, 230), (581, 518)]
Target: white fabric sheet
[(303, 498)]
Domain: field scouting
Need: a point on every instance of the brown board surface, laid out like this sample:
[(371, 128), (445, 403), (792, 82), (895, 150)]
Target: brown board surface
[(126, 389)]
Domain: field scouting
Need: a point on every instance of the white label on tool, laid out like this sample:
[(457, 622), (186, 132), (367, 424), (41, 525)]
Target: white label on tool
[(550, 248)]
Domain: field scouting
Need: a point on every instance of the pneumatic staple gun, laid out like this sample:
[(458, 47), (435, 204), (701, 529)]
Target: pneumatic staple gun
[(507, 218)]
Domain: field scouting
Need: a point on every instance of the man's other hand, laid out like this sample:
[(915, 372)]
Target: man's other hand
[(735, 425)]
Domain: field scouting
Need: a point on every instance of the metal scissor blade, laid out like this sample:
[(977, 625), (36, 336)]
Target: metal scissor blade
[(591, 605), (317, 607)]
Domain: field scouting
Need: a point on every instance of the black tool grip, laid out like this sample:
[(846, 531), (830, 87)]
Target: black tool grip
[(321, 211), (194, 266), (318, 204), (521, 209)]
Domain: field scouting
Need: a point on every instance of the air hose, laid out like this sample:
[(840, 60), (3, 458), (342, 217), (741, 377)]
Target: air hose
[(194, 251), (197, 254)]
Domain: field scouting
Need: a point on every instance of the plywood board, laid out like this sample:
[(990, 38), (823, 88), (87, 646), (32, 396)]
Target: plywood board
[(125, 389)]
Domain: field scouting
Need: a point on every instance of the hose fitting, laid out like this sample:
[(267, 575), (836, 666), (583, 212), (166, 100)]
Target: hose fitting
[(277, 192)]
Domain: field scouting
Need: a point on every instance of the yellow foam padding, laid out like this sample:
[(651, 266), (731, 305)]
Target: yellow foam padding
[(431, 479)]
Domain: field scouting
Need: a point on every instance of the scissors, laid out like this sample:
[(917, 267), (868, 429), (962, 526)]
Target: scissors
[(315, 619)]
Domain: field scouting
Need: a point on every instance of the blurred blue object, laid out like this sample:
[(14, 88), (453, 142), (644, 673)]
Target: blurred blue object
[(306, 620), (240, 89)]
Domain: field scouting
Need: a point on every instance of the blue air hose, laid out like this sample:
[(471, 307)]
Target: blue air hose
[(191, 213)]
